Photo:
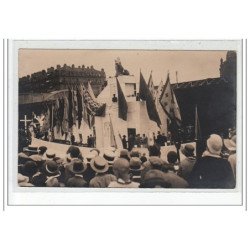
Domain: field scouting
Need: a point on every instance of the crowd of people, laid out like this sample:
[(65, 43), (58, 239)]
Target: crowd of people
[(143, 141), (113, 168)]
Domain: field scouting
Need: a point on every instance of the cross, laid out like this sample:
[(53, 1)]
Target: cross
[(25, 121)]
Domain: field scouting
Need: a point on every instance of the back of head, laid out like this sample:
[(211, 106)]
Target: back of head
[(74, 152), (29, 168), (214, 144), (172, 157), (154, 150), (121, 167)]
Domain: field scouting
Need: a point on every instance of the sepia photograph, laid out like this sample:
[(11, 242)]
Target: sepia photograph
[(127, 118)]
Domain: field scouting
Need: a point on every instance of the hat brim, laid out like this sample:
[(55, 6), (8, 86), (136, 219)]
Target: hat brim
[(229, 145), (105, 169)]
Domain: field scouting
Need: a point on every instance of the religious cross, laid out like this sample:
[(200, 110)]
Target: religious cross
[(25, 121)]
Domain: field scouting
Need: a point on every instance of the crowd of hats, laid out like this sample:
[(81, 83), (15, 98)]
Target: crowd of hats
[(41, 167)]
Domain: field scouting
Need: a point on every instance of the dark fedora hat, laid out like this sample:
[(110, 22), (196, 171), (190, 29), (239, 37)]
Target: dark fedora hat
[(188, 150), (51, 168), (77, 167)]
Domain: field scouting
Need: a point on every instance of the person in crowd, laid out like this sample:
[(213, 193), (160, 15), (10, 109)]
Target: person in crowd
[(109, 156), (211, 171), (121, 170), (102, 178), (173, 164), (42, 151), (159, 166), (169, 138), (23, 181), (89, 173), (72, 139), (131, 142), (135, 169), (114, 98), (138, 140), (77, 169), (143, 158), (38, 159), (135, 153), (124, 154), (29, 169), (187, 164), (160, 139), (154, 138), (73, 156), (49, 155), (124, 142), (88, 141), (138, 97), (52, 173), (164, 139), (144, 141), (154, 179), (231, 147)]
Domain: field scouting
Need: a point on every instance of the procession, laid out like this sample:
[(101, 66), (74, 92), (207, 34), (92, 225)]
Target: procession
[(79, 128)]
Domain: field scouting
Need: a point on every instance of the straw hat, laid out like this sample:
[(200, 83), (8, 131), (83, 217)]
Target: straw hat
[(231, 144), (99, 164), (109, 156)]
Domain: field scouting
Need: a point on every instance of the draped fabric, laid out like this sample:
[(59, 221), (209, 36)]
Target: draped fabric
[(80, 108), (146, 95), (122, 103), (65, 123), (70, 108)]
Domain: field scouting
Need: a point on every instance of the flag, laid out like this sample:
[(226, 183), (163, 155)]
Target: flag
[(151, 85), (70, 108), (65, 122), (169, 103), (146, 95), (80, 108), (122, 103)]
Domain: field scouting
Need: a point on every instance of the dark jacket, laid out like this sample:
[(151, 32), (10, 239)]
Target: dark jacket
[(211, 172)]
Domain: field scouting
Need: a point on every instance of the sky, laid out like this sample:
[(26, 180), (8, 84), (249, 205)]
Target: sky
[(190, 65)]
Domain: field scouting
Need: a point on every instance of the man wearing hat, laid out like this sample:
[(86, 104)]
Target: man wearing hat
[(102, 179), (74, 155), (124, 154), (211, 171), (77, 169), (52, 173), (109, 156), (121, 170), (157, 165), (187, 164), (135, 169), (155, 179)]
